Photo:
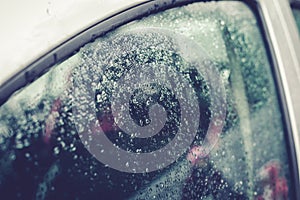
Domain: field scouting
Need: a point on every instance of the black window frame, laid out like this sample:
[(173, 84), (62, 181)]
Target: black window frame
[(295, 4)]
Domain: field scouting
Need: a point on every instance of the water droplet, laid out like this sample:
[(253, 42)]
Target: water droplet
[(56, 150)]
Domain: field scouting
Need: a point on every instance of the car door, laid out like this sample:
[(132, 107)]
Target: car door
[(165, 100)]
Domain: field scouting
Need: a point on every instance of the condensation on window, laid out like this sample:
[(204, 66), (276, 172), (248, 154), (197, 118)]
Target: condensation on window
[(296, 13), (178, 105)]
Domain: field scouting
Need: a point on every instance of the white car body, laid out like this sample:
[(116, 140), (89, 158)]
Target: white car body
[(35, 27)]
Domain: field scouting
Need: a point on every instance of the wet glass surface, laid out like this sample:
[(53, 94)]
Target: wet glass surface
[(296, 13), (177, 105)]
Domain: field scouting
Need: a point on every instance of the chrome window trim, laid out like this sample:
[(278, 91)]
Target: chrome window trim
[(285, 47), (285, 43)]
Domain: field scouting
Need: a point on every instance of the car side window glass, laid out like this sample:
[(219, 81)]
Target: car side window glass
[(296, 12), (180, 104)]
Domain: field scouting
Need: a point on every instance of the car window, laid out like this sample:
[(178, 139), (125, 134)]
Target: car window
[(296, 12), (180, 104)]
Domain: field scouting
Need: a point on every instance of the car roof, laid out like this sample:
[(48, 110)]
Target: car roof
[(30, 29)]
